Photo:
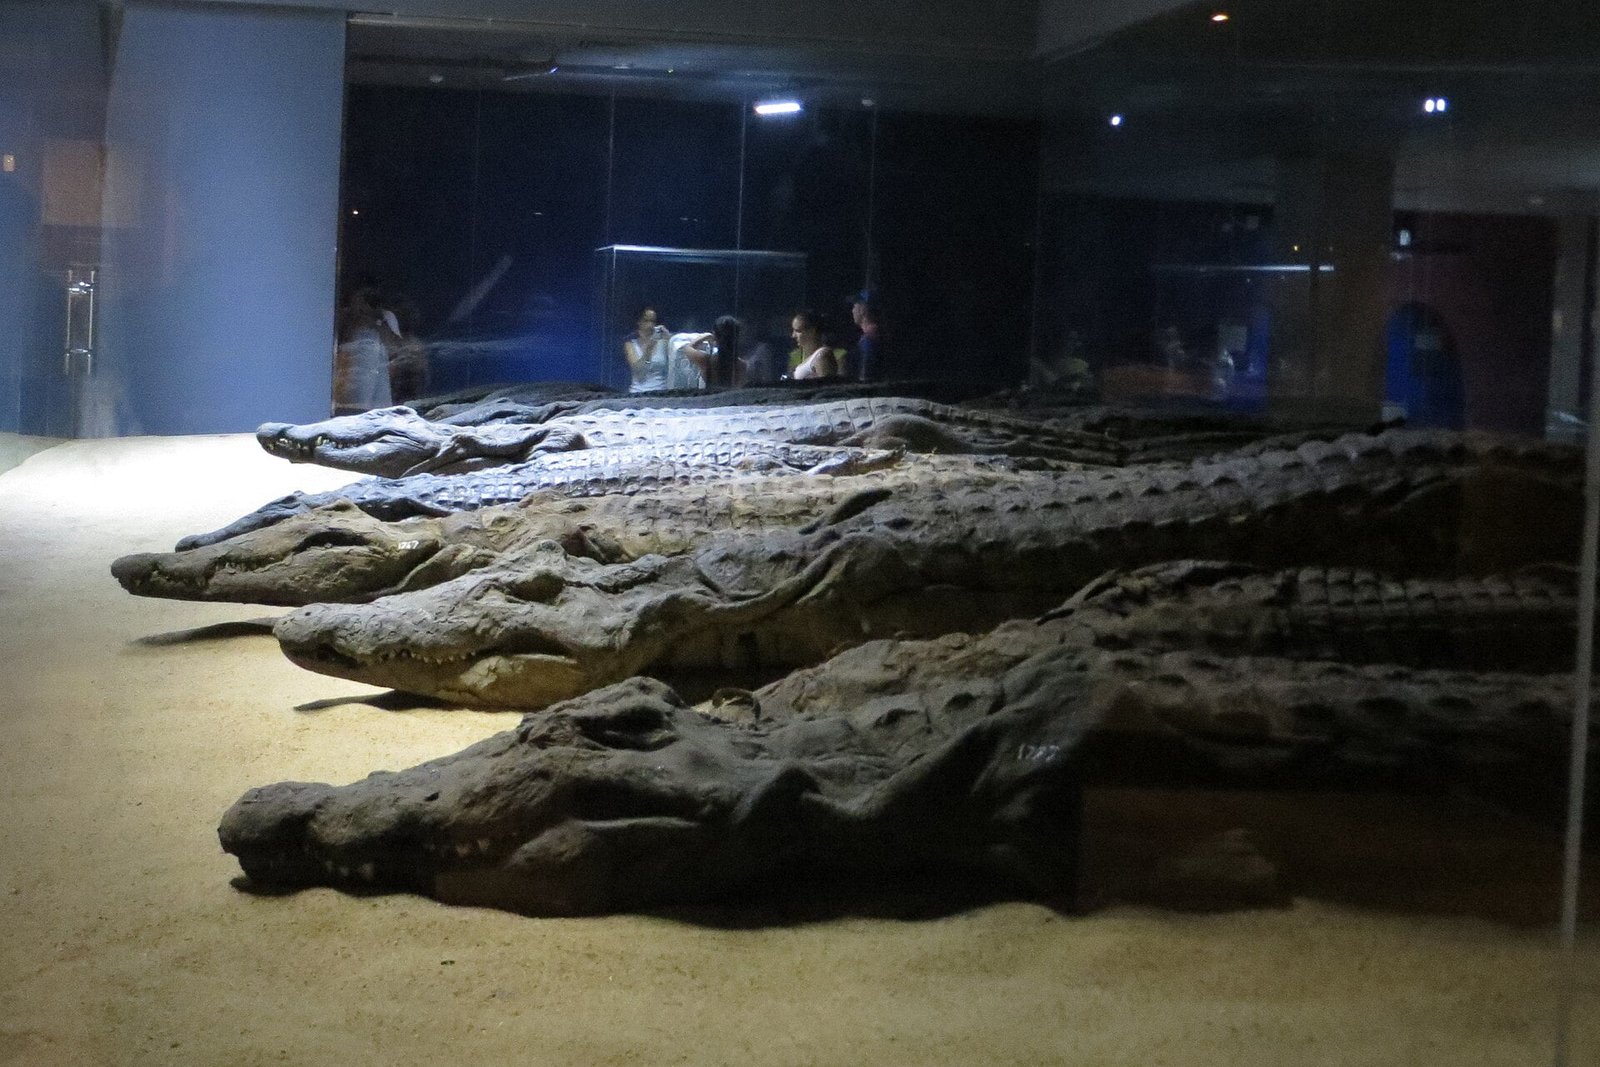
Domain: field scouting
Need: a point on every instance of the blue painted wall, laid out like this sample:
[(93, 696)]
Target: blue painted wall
[(217, 278)]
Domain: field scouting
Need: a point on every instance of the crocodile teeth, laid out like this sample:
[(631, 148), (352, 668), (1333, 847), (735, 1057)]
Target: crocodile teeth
[(367, 871)]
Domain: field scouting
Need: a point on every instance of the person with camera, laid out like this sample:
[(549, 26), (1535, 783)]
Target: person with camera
[(702, 360), (647, 353)]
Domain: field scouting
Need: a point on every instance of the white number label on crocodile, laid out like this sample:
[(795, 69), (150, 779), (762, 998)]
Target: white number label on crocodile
[(406, 546), (1038, 753)]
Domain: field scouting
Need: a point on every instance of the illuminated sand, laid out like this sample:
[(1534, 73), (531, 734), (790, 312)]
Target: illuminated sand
[(131, 724)]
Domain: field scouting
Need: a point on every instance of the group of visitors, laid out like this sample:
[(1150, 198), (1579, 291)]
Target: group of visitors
[(660, 359), (379, 360)]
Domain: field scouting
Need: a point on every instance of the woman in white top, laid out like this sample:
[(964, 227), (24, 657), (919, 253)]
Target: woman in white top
[(647, 353), (817, 358), (688, 359), (367, 335)]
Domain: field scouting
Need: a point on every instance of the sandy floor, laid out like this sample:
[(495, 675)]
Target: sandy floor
[(1421, 935)]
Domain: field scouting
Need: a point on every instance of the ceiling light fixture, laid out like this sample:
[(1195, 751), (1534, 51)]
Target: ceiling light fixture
[(1436, 105), (778, 107), (1115, 120), (1220, 16)]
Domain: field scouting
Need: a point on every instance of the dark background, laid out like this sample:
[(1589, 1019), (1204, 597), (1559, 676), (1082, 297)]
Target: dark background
[(937, 214)]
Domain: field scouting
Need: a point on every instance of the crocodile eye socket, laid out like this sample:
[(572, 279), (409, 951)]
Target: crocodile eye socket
[(535, 588), (330, 539)]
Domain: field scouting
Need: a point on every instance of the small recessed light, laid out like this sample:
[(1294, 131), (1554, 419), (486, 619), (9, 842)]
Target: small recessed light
[(1436, 105), (436, 78), (778, 107), (355, 211), (8, 162), (1115, 120), (1220, 16)]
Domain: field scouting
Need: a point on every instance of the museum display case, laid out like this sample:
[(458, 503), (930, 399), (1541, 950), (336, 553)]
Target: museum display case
[(690, 289)]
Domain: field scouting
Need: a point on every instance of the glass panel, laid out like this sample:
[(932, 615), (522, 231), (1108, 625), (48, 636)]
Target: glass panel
[(666, 293), (954, 210), (807, 189), (1349, 215), (52, 118), (473, 216), (675, 174), (409, 227), (541, 170)]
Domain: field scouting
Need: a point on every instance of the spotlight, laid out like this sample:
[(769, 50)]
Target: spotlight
[(1220, 16), (1115, 120), (1436, 105), (778, 107)]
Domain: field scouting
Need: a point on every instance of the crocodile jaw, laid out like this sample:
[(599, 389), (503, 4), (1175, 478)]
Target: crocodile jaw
[(387, 441), (279, 439), (277, 566), (417, 830), (488, 664), (501, 823)]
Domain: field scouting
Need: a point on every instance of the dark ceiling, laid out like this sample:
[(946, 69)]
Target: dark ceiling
[(1279, 76), (967, 76), (1283, 77)]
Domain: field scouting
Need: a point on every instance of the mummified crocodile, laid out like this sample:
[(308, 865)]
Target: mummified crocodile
[(541, 626), (1522, 621), (520, 403), (960, 753), (443, 405), (625, 469), (397, 441), (338, 553)]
